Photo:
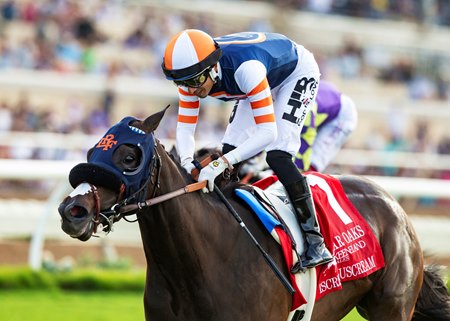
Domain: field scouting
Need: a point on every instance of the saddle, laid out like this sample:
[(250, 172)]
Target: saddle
[(274, 202)]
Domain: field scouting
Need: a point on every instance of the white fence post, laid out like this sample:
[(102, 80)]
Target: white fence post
[(38, 237)]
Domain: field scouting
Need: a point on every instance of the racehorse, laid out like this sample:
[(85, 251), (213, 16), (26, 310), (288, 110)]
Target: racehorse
[(201, 266)]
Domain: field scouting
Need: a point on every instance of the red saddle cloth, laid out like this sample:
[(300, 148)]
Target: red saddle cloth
[(356, 251)]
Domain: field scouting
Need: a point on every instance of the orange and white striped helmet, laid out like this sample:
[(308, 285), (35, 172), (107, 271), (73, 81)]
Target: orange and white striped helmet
[(189, 53)]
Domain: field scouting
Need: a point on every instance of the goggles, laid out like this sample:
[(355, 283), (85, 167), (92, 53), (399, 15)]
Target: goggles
[(194, 82)]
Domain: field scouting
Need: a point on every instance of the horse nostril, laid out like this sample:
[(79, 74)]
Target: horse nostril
[(77, 211)]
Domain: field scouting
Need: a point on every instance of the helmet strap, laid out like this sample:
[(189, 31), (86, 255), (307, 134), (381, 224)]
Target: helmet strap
[(214, 74)]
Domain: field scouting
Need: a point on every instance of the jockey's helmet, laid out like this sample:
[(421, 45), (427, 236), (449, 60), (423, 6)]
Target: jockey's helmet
[(190, 54)]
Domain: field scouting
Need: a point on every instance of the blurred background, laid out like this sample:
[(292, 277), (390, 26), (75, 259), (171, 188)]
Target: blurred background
[(70, 69)]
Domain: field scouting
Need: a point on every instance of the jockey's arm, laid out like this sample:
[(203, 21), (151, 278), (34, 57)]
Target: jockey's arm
[(188, 110), (252, 80)]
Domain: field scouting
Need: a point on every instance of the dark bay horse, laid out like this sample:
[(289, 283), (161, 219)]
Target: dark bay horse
[(200, 264)]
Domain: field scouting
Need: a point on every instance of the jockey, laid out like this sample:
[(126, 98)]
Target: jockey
[(332, 119), (275, 82)]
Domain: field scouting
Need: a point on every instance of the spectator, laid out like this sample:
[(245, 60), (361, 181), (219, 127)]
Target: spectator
[(6, 54), (9, 10), (97, 122), (6, 117), (350, 60), (68, 54), (444, 146), (29, 12), (401, 70)]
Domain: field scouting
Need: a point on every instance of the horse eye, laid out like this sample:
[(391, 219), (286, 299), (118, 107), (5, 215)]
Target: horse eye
[(129, 159)]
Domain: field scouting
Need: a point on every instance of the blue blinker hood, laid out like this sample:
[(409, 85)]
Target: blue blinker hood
[(100, 170)]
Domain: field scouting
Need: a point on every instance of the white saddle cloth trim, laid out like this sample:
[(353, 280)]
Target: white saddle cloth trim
[(307, 281)]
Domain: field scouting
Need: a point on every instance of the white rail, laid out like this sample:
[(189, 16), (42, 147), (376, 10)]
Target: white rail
[(358, 157), (346, 157), (414, 187), (25, 170), (59, 170)]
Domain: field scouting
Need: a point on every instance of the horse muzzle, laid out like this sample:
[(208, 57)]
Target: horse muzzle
[(76, 219)]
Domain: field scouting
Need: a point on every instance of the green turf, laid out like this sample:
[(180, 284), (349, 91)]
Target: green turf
[(70, 306), (38, 305), (353, 316)]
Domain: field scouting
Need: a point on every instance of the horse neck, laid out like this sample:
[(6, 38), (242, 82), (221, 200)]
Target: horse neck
[(177, 228)]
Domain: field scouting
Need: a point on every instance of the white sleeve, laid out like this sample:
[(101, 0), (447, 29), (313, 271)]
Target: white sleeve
[(251, 79), (188, 111), (185, 144)]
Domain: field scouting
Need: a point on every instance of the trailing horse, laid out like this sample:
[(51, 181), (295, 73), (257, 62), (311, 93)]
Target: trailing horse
[(200, 264)]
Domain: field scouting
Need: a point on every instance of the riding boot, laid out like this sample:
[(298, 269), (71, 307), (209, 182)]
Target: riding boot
[(316, 252)]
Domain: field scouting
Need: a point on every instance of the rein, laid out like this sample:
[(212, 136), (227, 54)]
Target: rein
[(133, 208)]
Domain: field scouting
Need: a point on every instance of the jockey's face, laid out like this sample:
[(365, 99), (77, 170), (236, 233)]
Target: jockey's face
[(203, 90)]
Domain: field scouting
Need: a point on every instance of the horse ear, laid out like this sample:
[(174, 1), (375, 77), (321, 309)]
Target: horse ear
[(89, 153), (152, 122), (175, 154)]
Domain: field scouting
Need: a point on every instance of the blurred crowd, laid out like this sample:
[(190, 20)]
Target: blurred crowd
[(73, 36), (420, 11)]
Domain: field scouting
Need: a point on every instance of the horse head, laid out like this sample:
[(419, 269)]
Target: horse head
[(116, 173)]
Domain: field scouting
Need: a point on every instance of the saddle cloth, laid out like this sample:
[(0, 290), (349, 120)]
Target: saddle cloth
[(349, 238)]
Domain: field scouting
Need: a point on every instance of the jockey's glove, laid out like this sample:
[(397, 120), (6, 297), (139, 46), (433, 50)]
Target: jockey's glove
[(211, 171), (188, 166)]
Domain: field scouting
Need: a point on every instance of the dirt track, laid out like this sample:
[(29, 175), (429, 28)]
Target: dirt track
[(15, 252)]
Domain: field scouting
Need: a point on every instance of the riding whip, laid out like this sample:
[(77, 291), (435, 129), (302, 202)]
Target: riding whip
[(266, 256)]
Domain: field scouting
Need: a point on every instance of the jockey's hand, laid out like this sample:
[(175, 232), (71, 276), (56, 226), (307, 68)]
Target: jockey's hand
[(211, 171), (188, 165)]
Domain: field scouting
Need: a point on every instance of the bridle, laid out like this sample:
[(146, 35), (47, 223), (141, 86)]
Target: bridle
[(127, 206)]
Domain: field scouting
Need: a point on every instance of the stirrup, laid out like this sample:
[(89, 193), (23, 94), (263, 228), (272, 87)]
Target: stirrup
[(298, 267), (317, 261)]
